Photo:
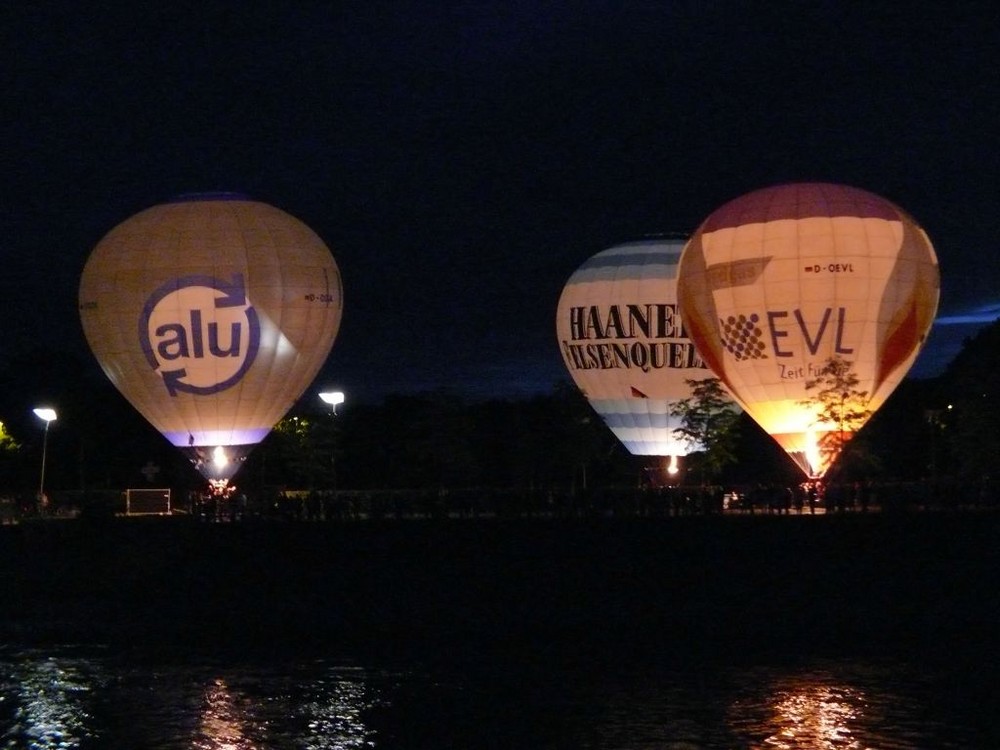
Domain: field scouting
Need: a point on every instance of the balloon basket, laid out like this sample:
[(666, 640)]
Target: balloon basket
[(220, 488), (662, 471)]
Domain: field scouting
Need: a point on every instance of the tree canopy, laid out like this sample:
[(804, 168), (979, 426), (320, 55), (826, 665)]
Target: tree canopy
[(708, 424), (842, 409)]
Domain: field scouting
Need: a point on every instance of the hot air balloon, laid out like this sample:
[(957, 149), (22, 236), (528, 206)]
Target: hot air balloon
[(777, 284), (622, 341), (211, 314)]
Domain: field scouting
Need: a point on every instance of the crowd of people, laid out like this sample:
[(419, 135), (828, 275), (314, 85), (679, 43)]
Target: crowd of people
[(277, 504), (807, 498)]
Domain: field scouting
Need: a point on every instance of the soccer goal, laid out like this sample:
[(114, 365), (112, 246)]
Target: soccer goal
[(147, 502)]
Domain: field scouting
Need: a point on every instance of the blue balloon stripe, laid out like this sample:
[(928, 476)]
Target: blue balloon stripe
[(646, 427), (657, 270), (615, 420), (633, 258), (641, 445)]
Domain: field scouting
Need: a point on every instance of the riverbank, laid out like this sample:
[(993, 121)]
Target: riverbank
[(720, 583)]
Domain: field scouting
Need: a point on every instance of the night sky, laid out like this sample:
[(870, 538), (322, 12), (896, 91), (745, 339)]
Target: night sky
[(461, 160)]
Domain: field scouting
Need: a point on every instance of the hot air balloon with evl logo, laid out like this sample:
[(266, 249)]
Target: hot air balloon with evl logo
[(623, 342), (211, 314), (776, 285)]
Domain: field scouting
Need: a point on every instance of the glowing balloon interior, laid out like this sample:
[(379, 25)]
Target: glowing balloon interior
[(623, 343), (778, 282), (211, 314)]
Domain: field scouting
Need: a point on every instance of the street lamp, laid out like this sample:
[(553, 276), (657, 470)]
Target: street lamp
[(48, 415), (333, 398)]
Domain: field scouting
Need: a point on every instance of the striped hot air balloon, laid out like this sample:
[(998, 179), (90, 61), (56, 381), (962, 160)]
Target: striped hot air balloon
[(624, 344), (778, 283)]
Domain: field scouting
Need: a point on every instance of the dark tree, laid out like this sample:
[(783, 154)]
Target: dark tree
[(708, 421), (842, 409), (972, 426)]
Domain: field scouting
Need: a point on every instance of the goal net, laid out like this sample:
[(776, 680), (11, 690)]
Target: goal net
[(147, 502)]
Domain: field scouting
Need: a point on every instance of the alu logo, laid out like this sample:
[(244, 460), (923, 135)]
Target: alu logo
[(200, 333)]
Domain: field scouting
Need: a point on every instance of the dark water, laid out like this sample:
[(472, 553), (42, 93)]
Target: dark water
[(77, 697), (682, 633)]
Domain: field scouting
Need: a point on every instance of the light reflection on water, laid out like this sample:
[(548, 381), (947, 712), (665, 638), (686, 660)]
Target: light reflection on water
[(814, 709), (75, 698), (324, 713), (817, 715), (46, 702)]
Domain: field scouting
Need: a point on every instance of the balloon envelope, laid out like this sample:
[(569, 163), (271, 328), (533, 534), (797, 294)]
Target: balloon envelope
[(211, 315), (778, 282), (624, 346)]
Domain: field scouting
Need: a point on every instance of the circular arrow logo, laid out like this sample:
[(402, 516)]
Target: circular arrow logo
[(200, 333)]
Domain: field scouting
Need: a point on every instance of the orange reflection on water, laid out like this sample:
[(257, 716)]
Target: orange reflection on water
[(811, 710), (816, 716), (323, 713), (224, 721)]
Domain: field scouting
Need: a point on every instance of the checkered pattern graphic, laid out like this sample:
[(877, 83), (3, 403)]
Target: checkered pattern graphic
[(741, 336)]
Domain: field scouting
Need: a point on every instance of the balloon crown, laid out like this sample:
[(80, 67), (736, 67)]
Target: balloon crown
[(215, 195)]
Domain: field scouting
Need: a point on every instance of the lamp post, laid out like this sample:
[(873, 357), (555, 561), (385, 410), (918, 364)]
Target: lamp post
[(333, 398), (48, 415)]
